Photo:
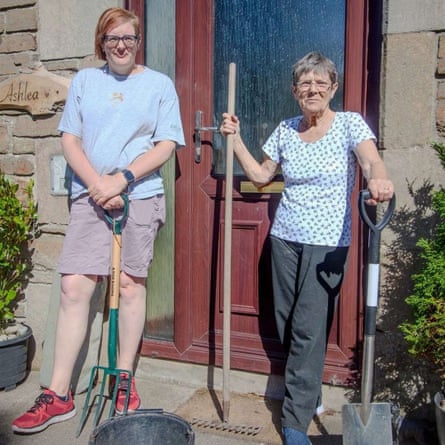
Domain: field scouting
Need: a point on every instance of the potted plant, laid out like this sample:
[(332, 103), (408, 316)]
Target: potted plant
[(425, 333), (18, 224)]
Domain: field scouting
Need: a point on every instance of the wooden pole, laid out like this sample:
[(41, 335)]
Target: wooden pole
[(228, 249)]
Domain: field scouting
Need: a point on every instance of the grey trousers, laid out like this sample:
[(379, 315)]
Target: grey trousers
[(89, 354), (306, 282)]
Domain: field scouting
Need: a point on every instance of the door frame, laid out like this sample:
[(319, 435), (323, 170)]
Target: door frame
[(355, 99)]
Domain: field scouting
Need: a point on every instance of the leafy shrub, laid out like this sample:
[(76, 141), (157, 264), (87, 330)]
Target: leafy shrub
[(18, 224), (425, 334)]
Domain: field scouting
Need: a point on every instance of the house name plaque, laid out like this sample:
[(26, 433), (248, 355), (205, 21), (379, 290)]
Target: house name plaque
[(38, 92)]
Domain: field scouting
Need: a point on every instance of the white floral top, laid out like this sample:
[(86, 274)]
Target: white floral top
[(319, 177)]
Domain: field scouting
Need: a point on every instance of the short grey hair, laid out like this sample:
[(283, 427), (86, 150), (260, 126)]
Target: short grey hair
[(316, 62)]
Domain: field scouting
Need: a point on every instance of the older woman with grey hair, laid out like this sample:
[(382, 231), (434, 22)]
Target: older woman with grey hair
[(317, 153)]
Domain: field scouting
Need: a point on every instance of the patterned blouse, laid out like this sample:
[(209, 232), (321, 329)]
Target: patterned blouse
[(319, 178)]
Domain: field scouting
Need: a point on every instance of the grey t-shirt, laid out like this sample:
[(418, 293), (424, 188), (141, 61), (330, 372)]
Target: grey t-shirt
[(119, 118)]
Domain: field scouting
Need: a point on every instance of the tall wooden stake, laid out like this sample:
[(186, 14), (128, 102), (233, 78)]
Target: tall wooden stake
[(228, 249)]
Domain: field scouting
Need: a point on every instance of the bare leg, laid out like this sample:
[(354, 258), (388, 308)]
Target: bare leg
[(132, 308), (71, 329)]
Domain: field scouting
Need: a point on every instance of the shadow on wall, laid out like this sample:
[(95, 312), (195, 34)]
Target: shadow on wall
[(400, 378)]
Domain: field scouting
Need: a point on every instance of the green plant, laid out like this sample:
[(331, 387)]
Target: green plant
[(425, 333), (18, 224)]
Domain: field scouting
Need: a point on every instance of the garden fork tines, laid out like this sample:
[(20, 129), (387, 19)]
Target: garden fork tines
[(110, 374)]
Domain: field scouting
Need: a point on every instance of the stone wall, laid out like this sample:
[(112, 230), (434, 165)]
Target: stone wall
[(412, 105)]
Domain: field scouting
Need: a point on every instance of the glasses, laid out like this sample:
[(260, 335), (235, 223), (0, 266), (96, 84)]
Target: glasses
[(320, 85), (128, 40)]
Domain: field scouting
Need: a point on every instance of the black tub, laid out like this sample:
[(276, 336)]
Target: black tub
[(145, 427)]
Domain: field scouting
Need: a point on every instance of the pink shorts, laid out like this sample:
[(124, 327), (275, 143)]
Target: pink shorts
[(87, 244)]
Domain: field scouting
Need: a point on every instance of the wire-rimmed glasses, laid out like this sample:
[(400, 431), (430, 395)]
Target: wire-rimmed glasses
[(320, 85)]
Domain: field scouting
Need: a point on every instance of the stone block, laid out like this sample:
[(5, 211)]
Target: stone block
[(23, 182), (47, 248), (408, 85), (5, 139), (24, 165), (441, 66), (441, 55), (413, 166), (17, 165), (12, 43), (6, 4), (23, 19), (441, 51), (441, 90), (23, 146), (91, 61), (11, 64), (440, 108), (69, 65), (440, 118), (413, 15), (26, 126), (417, 164)]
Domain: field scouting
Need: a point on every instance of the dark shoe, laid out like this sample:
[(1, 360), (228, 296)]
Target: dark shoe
[(47, 410), (295, 437)]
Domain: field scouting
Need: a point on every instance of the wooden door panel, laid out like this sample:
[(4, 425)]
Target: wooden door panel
[(244, 266)]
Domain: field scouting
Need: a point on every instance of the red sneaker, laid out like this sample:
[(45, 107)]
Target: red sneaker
[(47, 409), (134, 401)]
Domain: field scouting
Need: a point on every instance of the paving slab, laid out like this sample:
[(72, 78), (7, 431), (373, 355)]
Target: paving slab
[(175, 388)]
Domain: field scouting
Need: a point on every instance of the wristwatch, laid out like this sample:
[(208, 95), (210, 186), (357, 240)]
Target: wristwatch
[(128, 176)]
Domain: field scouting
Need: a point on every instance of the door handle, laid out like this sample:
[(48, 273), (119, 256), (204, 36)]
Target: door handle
[(197, 134)]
